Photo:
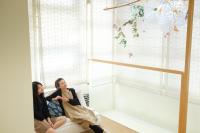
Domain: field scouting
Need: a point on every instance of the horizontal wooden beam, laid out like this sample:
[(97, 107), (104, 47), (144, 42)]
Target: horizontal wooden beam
[(122, 5), (139, 66)]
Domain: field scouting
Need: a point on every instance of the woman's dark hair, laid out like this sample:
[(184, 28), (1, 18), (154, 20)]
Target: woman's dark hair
[(57, 85), (35, 91)]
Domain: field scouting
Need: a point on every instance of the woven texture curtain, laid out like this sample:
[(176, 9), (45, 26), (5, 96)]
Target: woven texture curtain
[(58, 41)]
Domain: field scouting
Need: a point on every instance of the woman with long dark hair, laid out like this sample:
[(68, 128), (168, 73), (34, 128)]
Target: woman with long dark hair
[(72, 108), (42, 121)]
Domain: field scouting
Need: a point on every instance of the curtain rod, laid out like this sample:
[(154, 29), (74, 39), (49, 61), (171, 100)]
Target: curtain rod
[(122, 5)]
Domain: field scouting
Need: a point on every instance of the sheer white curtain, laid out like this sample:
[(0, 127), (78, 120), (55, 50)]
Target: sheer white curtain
[(176, 57), (195, 62), (58, 44), (102, 39), (152, 49), (144, 50)]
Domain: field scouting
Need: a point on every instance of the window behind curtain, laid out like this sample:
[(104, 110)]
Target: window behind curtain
[(176, 57), (102, 39), (58, 44), (144, 50), (152, 49)]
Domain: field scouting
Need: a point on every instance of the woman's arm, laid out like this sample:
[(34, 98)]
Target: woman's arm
[(45, 109), (52, 96), (75, 100)]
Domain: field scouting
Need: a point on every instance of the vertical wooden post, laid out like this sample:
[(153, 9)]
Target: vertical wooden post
[(185, 76)]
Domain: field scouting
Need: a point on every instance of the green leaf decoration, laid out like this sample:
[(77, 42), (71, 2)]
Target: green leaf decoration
[(137, 11)]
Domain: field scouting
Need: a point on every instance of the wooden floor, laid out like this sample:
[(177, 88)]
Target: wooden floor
[(113, 127)]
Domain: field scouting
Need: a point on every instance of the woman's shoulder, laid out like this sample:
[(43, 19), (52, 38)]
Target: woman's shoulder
[(71, 89), (42, 99)]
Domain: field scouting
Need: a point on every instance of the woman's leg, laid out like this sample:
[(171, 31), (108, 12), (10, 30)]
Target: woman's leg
[(59, 121), (50, 130), (42, 127)]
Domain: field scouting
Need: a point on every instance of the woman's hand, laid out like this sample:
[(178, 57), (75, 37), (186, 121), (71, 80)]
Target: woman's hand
[(65, 99), (50, 123), (61, 98), (45, 121), (57, 98)]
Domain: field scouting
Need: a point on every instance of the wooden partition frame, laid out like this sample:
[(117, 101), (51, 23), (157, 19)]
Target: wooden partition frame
[(185, 77), (183, 109)]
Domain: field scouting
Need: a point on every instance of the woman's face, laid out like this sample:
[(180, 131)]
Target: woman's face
[(63, 84), (40, 89)]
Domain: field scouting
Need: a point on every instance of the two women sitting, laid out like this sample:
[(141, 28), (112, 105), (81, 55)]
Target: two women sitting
[(69, 104)]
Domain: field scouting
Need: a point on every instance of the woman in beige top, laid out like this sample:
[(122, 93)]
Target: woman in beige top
[(72, 108)]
